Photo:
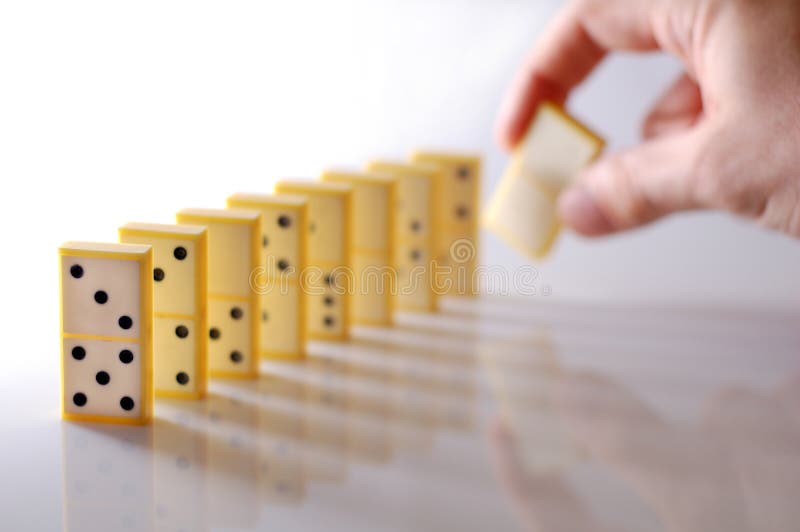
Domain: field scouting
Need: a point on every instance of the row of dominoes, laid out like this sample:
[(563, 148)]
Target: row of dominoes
[(173, 304)]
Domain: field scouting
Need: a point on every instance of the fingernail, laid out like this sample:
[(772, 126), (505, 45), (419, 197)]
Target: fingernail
[(578, 209)]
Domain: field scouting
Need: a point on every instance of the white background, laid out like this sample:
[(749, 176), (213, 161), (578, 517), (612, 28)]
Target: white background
[(113, 112)]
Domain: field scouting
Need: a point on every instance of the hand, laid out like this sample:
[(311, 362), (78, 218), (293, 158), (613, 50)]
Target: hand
[(725, 136)]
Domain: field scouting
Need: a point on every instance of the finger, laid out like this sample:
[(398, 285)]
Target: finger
[(634, 187), (572, 46), (679, 108)]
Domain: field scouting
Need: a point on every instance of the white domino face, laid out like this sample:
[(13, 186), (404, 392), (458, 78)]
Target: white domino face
[(229, 347), (324, 309), (102, 378), (523, 210), (326, 237), (175, 271), (229, 264), (555, 149), (413, 206), (175, 341), (100, 297), (281, 241), (280, 319), (523, 213), (106, 351), (413, 277)]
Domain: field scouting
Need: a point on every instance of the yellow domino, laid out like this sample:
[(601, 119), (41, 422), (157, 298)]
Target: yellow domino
[(522, 210), (414, 228), (556, 147), (457, 210), (372, 229), (234, 307), (106, 332), (180, 269), (327, 278), (283, 243)]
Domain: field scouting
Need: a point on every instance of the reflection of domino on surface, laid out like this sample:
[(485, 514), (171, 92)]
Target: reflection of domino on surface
[(523, 208)]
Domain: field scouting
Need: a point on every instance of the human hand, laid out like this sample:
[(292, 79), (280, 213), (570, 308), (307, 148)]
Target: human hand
[(725, 135)]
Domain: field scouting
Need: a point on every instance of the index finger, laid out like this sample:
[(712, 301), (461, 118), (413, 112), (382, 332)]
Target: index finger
[(569, 50)]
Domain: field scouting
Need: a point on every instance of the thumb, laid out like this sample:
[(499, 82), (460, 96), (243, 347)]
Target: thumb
[(631, 188)]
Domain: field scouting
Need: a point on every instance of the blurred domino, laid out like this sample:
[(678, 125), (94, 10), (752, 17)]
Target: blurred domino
[(328, 256), (234, 308), (106, 332), (523, 208), (455, 243), (371, 237), (179, 304), (414, 230), (283, 242)]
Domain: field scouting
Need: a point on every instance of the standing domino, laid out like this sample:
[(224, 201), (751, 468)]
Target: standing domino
[(283, 239), (179, 303), (455, 244), (523, 209), (371, 233), (414, 230), (328, 256), (106, 332), (234, 246)]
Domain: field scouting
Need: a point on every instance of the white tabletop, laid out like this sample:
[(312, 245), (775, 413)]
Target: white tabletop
[(490, 415)]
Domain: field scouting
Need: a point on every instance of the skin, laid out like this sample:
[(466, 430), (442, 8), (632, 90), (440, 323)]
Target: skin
[(724, 136)]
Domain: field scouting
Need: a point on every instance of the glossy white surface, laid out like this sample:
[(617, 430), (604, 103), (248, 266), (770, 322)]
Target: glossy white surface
[(616, 419)]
